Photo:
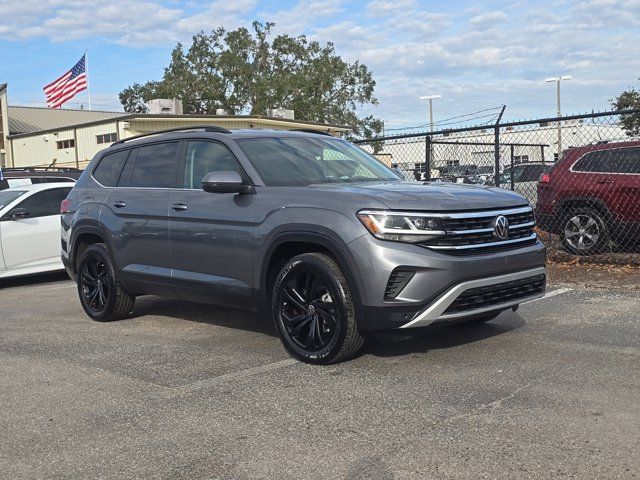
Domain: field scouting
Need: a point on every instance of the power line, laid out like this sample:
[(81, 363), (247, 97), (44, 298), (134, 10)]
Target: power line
[(442, 122)]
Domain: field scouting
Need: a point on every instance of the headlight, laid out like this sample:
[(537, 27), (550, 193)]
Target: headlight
[(401, 226)]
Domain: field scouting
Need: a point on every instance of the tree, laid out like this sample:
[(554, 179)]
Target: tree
[(627, 100), (247, 72)]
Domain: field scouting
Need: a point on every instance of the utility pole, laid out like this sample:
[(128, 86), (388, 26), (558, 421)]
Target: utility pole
[(428, 139), (559, 113), (431, 98)]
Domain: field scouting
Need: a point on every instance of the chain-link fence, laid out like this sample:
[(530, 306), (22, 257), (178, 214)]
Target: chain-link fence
[(580, 172)]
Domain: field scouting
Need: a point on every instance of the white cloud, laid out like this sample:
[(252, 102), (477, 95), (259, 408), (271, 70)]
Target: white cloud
[(488, 19)]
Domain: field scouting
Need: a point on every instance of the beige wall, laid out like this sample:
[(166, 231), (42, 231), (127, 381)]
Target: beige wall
[(41, 149)]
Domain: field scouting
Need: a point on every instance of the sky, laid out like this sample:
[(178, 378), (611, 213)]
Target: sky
[(476, 55)]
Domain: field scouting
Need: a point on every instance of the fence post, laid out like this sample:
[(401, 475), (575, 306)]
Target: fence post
[(512, 186), (496, 149), (542, 153), (427, 155), (496, 154)]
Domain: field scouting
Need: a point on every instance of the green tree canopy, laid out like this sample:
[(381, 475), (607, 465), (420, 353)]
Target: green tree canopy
[(629, 99), (247, 72)]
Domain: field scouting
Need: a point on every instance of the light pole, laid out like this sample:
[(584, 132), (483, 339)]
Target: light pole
[(431, 98), (558, 80)]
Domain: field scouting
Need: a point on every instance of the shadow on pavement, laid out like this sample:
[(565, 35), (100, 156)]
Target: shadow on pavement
[(398, 343), (382, 344), (34, 279), (203, 313)]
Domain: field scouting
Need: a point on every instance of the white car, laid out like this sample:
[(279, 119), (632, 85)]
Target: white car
[(30, 228)]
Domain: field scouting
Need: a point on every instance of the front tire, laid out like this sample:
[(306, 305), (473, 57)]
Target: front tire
[(101, 296), (314, 311), (584, 232)]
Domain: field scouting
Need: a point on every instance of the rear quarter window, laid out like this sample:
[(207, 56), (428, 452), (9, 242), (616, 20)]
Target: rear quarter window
[(108, 170), (591, 162)]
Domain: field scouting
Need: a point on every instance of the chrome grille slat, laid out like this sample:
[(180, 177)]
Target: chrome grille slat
[(474, 233)]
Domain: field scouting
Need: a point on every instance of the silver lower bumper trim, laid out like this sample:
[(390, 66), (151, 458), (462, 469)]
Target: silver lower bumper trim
[(435, 311)]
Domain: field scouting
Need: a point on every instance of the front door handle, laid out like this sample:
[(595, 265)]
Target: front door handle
[(119, 204), (179, 206), (606, 181)]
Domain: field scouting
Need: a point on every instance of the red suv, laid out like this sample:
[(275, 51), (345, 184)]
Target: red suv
[(592, 197)]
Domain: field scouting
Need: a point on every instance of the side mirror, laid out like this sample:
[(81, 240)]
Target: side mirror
[(225, 182), (18, 213)]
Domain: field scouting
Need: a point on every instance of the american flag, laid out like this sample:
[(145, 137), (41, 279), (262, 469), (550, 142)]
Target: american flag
[(64, 88)]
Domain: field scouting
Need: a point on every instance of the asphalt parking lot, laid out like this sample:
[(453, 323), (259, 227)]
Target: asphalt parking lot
[(191, 391)]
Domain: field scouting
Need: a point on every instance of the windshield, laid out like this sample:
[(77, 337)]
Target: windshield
[(295, 161), (8, 196)]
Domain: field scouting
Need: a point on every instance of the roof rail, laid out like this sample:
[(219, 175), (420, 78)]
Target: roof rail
[(41, 169), (311, 130), (205, 128)]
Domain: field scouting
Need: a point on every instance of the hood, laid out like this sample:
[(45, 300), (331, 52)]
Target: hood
[(432, 196)]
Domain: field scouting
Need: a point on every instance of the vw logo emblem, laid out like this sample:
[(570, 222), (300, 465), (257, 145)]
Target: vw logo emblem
[(501, 227)]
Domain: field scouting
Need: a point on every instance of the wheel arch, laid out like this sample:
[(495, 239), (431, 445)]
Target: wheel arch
[(586, 202), (289, 244), (83, 237)]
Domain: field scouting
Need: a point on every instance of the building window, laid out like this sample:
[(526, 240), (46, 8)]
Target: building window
[(106, 138), (518, 159), (62, 144), (453, 163)]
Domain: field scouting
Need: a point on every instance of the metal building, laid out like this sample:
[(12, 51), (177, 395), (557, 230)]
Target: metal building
[(31, 136)]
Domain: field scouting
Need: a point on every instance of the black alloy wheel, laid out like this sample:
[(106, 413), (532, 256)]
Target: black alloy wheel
[(101, 296), (307, 311), (94, 284), (313, 310)]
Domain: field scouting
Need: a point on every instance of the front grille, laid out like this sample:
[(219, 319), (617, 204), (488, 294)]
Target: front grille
[(482, 297), (397, 281), (472, 233)]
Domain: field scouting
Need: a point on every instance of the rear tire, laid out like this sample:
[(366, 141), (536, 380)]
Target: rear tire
[(584, 231), (101, 296), (314, 311)]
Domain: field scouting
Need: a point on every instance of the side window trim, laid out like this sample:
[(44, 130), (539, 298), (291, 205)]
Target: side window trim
[(125, 175), (183, 162)]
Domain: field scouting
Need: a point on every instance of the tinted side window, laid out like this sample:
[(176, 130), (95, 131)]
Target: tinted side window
[(155, 166), (204, 157), (592, 162), (45, 203), (108, 170), (624, 160)]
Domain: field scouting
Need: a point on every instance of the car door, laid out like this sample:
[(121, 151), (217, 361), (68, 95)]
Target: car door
[(32, 239), (210, 232), (136, 215)]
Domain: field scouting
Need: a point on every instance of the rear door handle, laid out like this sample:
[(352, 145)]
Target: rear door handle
[(604, 181), (179, 206), (119, 204)]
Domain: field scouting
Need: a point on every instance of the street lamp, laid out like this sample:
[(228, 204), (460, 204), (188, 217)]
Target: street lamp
[(558, 80), (431, 98)]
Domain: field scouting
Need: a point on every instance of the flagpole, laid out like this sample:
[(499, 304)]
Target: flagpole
[(86, 69)]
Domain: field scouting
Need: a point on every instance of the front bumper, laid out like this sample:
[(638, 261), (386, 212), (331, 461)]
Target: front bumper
[(440, 309), (439, 279)]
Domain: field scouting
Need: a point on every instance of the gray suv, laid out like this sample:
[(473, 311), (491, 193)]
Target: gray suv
[(302, 227)]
